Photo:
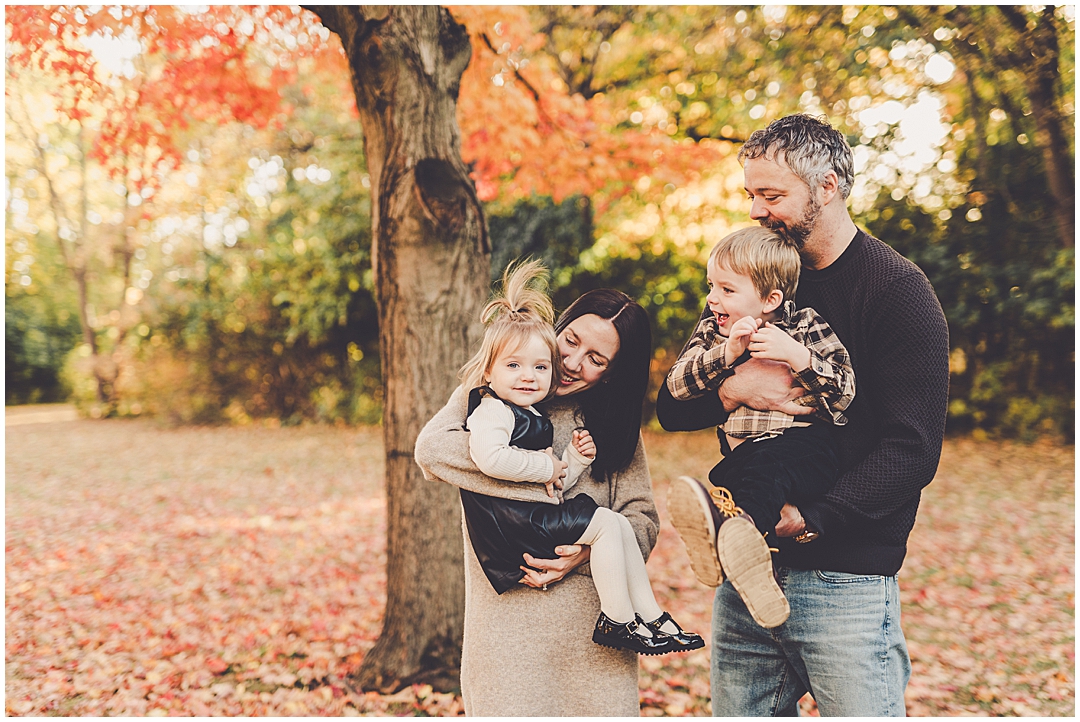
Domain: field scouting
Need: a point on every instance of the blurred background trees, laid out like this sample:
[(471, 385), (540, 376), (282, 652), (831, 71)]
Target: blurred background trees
[(202, 175)]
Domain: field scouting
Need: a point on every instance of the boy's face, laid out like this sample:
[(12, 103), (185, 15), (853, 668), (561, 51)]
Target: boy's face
[(732, 297), (521, 375)]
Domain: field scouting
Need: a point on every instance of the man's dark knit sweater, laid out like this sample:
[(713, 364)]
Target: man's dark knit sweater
[(885, 312)]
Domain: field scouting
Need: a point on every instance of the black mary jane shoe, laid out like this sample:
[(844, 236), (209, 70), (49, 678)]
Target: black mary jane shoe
[(625, 636), (683, 641)]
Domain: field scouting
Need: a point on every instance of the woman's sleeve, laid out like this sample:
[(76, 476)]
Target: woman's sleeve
[(633, 498), (442, 452)]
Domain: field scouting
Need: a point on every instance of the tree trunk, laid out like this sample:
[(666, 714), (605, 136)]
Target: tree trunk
[(1050, 124), (431, 263)]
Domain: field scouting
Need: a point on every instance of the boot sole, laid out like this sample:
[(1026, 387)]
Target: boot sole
[(691, 515), (748, 563)]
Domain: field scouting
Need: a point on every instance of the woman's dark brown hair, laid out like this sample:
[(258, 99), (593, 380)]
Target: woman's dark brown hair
[(612, 408)]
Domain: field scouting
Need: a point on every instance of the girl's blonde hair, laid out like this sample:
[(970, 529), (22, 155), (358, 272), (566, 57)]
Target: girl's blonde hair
[(521, 311), (771, 262)]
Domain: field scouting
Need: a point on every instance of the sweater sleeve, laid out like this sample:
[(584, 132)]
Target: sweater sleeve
[(442, 453), (576, 465), (631, 496), (909, 360), (491, 427)]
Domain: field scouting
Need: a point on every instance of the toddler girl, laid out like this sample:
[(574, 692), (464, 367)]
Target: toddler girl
[(511, 440)]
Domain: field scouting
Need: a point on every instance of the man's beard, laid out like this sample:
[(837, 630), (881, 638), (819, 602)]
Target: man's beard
[(798, 230)]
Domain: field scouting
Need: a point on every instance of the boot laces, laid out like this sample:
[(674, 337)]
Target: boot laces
[(723, 501), (725, 504)]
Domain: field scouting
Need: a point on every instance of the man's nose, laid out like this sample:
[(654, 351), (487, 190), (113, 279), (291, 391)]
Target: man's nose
[(757, 210)]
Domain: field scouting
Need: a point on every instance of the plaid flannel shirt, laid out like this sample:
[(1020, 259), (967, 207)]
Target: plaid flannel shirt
[(829, 380)]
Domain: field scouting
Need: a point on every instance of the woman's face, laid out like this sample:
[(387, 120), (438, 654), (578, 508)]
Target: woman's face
[(588, 345)]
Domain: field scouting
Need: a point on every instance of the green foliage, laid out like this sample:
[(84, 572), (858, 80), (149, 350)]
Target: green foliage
[(281, 324), (279, 321), (1007, 289), (555, 233), (37, 337)]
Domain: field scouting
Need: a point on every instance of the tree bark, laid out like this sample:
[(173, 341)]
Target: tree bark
[(431, 263), (1050, 134), (1028, 43)]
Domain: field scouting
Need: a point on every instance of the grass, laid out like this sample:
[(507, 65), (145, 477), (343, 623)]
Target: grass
[(227, 571)]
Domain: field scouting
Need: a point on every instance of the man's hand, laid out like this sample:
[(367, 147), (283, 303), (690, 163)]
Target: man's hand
[(552, 570), (791, 521), (765, 386)]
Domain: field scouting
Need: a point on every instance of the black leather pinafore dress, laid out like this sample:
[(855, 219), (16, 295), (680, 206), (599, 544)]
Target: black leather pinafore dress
[(503, 529)]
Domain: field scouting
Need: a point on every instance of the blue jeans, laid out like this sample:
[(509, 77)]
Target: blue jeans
[(842, 643)]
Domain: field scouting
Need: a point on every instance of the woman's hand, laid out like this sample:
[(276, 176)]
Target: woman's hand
[(552, 570)]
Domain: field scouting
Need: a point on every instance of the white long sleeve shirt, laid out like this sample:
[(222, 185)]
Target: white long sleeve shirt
[(491, 427)]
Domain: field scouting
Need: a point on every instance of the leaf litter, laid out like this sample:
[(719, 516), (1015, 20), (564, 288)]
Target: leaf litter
[(241, 571)]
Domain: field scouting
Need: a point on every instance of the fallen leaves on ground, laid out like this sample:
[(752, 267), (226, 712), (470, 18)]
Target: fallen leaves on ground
[(241, 571)]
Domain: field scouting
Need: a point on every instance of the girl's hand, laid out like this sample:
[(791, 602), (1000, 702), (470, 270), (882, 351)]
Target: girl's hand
[(773, 344), (583, 442), (557, 475), (739, 338), (553, 570)]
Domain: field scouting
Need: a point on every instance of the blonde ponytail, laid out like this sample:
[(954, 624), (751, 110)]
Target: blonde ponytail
[(519, 311)]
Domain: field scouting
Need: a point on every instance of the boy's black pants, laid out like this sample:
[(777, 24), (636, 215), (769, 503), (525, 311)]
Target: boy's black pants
[(797, 466)]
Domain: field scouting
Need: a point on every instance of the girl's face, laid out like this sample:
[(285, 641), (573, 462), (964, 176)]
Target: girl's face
[(521, 375), (588, 345)]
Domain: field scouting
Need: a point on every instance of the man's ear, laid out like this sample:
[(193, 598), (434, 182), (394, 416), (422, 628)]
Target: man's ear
[(773, 300), (830, 186)]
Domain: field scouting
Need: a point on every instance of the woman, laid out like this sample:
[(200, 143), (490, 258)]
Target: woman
[(529, 651)]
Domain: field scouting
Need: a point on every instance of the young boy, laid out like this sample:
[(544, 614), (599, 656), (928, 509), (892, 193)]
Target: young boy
[(770, 458)]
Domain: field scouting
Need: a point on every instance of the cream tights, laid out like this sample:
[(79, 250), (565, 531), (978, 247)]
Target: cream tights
[(618, 570)]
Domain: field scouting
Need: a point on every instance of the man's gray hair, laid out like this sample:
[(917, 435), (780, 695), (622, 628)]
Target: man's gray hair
[(811, 149)]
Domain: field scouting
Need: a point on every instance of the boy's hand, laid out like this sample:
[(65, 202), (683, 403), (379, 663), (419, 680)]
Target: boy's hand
[(739, 338), (557, 475), (583, 442), (771, 343)]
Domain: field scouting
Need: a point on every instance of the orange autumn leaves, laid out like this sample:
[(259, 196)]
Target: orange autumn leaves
[(228, 571), (216, 66), (524, 133)]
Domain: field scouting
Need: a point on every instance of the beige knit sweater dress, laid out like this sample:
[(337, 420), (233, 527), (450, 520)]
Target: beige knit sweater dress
[(530, 652)]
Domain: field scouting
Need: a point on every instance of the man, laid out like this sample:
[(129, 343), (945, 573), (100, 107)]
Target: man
[(842, 641)]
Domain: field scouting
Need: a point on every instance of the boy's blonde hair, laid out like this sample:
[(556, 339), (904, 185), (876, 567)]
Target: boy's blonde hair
[(769, 260), (522, 310)]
